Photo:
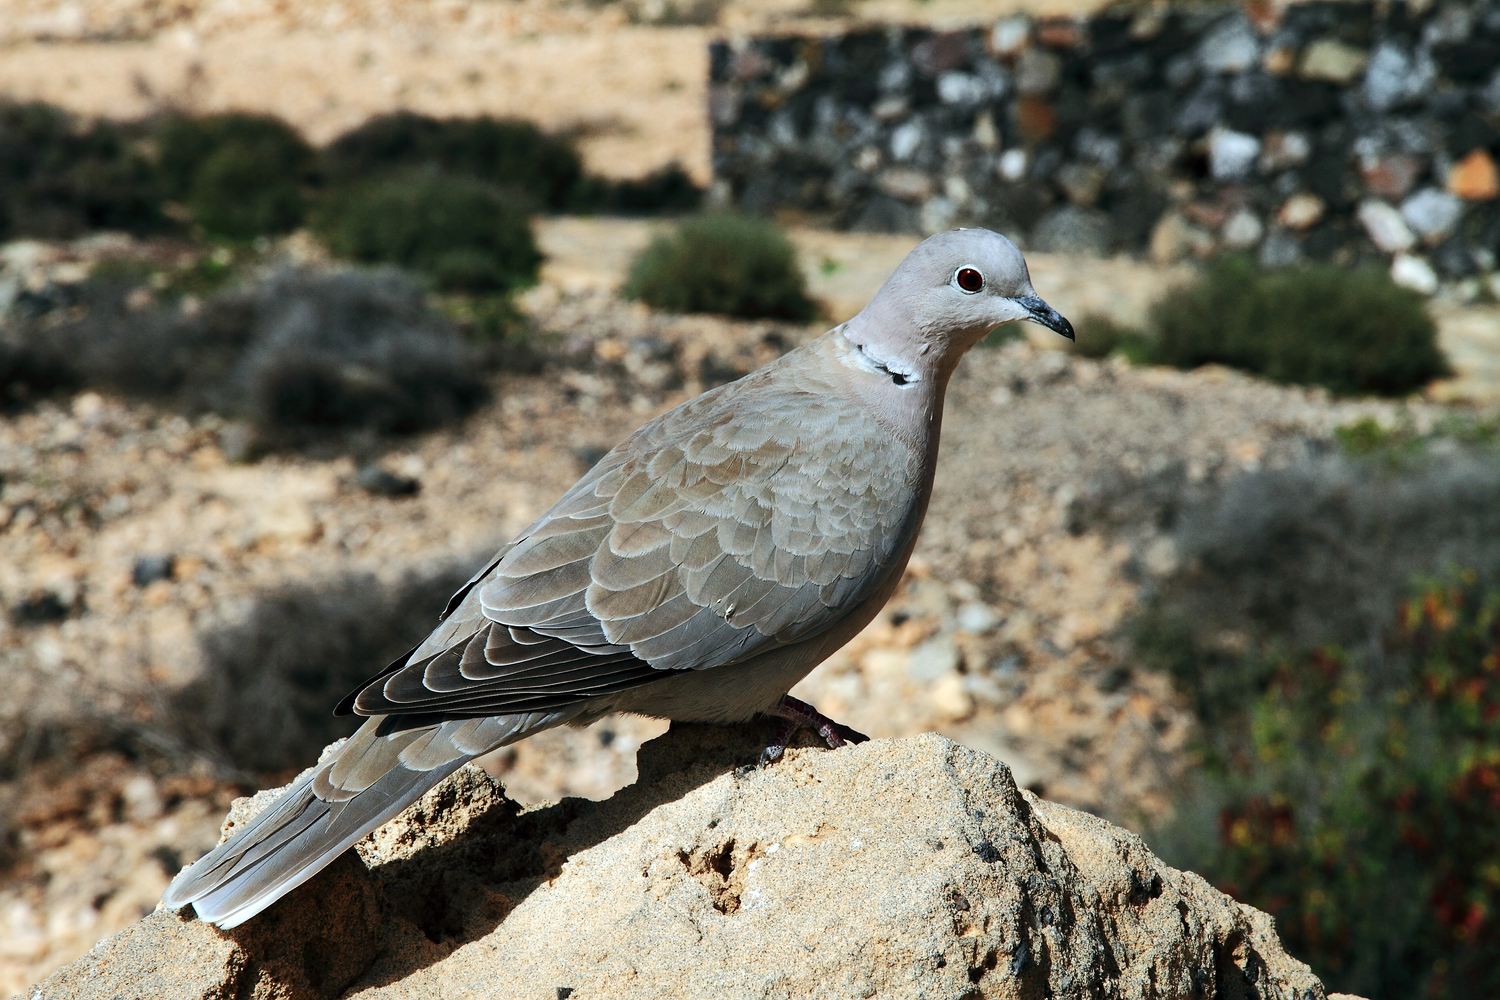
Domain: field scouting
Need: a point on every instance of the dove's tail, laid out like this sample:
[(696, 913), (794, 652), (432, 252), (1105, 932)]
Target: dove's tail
[(379, 771)]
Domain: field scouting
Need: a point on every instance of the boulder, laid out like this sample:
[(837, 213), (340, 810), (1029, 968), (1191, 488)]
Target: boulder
[(898, 868)]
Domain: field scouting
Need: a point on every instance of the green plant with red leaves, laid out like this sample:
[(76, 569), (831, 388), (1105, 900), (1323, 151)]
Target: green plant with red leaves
[(1357, 800)]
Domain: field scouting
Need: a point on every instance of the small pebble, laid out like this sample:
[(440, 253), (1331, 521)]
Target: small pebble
[(148, 569), (378, 482)]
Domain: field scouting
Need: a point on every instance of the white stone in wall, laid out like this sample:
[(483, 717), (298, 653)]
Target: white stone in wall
[(938, 214), (1233, 47), (954, 87), (1301, 211), (1327, 59), (985, 132), (1283, 150), (1385, 226), (1010, 36), (1012, 165), (1092, 144), (1231, 155), (957, 189), (906, 140), (1410, 271), (1433, 214), (1242, 230), (1394, 76)]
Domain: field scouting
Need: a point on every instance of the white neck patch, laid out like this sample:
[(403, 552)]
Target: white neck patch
[(899, 374)]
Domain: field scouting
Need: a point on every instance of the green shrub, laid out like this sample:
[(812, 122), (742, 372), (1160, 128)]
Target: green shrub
[(506, 153), (1365, 436), (185, 143), (463, 234), (59, 178), (1352, 331), (240, 174), (1359, 803), (1368, 438), (235, 196), (722, 264), (668, 189)]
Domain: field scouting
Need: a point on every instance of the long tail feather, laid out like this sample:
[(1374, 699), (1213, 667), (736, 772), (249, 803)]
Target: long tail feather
[(364, 783)]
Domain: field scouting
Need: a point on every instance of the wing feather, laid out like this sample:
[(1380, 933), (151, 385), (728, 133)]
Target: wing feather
[(753, 516)]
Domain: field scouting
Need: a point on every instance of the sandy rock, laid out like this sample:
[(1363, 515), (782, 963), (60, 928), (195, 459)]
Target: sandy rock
[(897, 868)]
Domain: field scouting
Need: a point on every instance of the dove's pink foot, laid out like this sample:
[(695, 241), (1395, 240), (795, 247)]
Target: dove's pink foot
[(795, 715)]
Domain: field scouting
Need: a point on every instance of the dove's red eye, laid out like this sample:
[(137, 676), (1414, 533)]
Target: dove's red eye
[(969, 279)]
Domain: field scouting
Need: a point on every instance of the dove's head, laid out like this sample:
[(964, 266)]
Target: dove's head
[(948, 293)]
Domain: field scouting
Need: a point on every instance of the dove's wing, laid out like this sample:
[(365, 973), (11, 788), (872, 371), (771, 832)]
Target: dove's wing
[(755, 516)]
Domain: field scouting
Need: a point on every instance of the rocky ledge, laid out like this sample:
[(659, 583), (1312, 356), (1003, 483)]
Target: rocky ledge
[(898, 868)]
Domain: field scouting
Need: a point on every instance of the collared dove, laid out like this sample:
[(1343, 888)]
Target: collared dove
[(696, 573)]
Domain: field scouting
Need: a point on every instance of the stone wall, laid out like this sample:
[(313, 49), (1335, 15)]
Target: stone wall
[(1344, 131)]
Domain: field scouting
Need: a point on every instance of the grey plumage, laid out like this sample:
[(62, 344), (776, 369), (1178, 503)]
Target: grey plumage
[(697, 572)]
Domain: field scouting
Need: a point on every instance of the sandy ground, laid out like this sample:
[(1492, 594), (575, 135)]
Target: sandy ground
[(636, 93), (632, 81)]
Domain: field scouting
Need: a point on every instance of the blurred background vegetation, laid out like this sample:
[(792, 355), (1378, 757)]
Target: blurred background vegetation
[(1348, 697), (1350, 793)]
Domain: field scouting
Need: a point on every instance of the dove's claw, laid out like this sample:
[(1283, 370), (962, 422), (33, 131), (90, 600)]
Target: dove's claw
[(785, 730), (795, 714)]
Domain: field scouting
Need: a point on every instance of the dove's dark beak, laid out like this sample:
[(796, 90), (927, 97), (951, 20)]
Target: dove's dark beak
[(1041, 312)]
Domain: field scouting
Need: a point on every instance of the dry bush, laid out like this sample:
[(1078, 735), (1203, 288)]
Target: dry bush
[(1321, 552), (271, 678), (302, 353)]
